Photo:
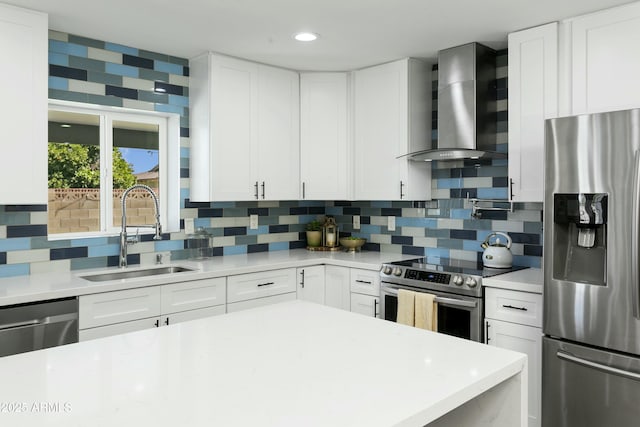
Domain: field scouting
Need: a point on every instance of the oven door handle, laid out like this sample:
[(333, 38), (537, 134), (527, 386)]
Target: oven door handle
[(440, 300)]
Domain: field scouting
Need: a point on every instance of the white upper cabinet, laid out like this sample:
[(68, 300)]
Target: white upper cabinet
[(392, 117), (325, 145), (23, 113), (278, 133), (533, 98), (244, 130), (604, 62)]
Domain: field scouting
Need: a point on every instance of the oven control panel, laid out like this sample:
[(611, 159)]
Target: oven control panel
[(428, 276)]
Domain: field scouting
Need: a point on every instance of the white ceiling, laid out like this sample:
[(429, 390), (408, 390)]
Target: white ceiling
[(354, 33)]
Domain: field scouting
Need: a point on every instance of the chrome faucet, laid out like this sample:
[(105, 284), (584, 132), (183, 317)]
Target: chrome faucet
[(124, 239)]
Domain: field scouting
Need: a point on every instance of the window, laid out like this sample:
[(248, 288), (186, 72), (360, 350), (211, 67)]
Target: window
[(95, 153)]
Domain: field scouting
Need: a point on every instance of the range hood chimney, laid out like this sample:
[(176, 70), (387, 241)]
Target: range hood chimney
[(466, 105)]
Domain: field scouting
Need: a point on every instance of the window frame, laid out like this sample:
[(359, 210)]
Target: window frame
[(168, 156)]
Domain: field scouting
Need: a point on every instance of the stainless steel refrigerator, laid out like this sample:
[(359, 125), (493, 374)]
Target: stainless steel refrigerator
[(591, 348)]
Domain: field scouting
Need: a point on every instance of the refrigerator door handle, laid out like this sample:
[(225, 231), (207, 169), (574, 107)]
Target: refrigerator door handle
[(635, 239), (599, 366)]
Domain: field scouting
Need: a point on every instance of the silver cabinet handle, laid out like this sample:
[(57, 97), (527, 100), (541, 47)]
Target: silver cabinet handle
[(266, 284), (157, 324), (303, 190), (302, 278), (513, 307), (363, 281), (401, 190), (263, 189), (256, 187), (599, 366), (166, 321), (375, 308), (635, 239)]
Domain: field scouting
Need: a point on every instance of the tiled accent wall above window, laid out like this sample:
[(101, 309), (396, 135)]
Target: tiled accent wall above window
[(97, 72)]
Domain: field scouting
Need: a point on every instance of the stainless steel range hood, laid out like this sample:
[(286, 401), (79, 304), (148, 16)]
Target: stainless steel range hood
[(466, 105)]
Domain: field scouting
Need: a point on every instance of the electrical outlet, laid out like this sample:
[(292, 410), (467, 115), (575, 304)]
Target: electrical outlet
[(356, 222), (253, 222), (391, 223), (189, 228)]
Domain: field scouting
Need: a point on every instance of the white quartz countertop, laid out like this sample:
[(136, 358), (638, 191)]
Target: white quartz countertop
[(527, 280), (289, 364), (39, 287)]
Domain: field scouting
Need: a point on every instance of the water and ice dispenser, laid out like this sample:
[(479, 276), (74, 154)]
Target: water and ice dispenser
[(580, 237)]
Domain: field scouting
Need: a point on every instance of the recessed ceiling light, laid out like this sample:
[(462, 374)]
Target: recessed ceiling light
[(305, 37), (65, 126)]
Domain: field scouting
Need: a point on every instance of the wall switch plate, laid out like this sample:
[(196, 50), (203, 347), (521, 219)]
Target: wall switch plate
[(391, 223), (253, 222), (189, 228), (356, 222)]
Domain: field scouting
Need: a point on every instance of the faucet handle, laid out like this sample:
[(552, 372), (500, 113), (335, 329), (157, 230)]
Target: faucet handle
[(158, 235)]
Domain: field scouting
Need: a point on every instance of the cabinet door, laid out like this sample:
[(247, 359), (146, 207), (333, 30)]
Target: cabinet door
[(365, 304), (604, 60), (118, 329), (337, 293), (234, 129), (533, 98), (192, 295), (257, 285), (278, 133), (527, 340), (23, 113), (380, 130), (311, 284), (325, 147), (392, 110), (118, 306), (184, 316)]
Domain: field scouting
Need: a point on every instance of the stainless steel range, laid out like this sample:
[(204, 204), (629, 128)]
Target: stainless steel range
[(457, 285)]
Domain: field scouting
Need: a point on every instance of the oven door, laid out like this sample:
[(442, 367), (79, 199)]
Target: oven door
[(458, 315)]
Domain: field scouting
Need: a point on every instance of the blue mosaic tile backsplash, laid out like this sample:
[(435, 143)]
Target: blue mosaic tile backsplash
[(97, 72)]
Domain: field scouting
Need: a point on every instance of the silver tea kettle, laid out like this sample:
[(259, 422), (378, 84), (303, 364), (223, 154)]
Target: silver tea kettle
[(497, 254)]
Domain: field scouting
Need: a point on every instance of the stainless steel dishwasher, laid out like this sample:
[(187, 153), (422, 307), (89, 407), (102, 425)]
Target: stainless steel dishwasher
[(38, 325)]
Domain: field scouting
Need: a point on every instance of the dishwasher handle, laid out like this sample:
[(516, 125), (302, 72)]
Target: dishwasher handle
[(60, 318)]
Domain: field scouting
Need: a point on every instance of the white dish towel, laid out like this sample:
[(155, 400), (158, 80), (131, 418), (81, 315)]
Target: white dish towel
[(406, 307), (426, 311)]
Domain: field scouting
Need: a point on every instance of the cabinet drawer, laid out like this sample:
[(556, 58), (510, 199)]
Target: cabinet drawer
[(365, 282), (184, 296), (365, 304), (257, 285), (514, 306), (259, 302), (118, 329), (118, 306), (185, 316)]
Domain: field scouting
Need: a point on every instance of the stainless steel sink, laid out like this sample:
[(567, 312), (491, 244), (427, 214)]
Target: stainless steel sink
[(129, 274)]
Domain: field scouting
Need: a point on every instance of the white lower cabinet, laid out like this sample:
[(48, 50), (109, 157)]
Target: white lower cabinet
[(365, 292), (337, 293), (311, 284), (513, 321), (365, 304), (244, 287), (257, 289), (259, 302), (118, 312)]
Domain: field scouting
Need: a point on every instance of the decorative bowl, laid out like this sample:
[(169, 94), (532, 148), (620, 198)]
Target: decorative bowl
[(352, 244)]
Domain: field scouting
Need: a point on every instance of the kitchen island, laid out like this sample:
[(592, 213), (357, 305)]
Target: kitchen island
[(289, 364)]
